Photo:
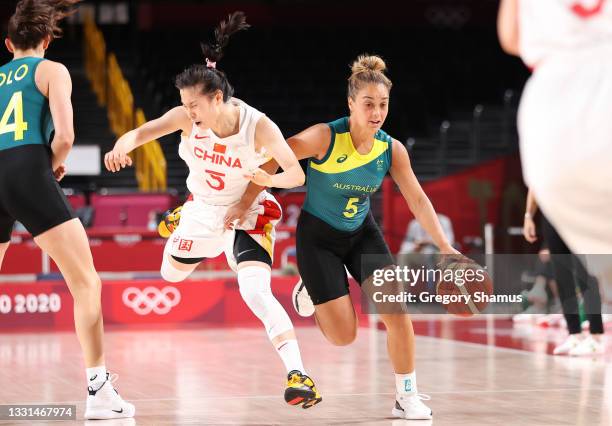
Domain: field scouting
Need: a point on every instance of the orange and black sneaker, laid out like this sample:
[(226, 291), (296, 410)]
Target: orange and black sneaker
[(170, 220), (301, 390)]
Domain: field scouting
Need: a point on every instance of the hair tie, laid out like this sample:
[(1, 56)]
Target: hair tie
[(210, 64)]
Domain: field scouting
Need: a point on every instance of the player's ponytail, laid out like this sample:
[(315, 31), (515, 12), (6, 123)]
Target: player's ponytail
[(367, 69), (34, 20), (235, 22), (207, 75)]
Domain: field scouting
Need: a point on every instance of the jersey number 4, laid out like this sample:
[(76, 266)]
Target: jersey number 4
[(14, 107), (217, 180)]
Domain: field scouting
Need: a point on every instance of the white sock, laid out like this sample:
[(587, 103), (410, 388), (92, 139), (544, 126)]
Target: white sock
[(289, 351), (406, 383), (96, 374)]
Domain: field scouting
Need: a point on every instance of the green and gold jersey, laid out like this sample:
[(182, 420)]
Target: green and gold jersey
[(340, 184), (25, 117)]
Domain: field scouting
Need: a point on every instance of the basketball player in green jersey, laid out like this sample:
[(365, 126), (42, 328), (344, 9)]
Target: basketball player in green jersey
[(349, 158), (36, 134)]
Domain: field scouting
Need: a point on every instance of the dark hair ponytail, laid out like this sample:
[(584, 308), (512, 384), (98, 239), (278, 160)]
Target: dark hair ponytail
[(207, 74), (235, 22), (34, 20)]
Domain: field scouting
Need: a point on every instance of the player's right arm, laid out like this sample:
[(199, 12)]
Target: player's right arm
[(170, 122), (508, 26)]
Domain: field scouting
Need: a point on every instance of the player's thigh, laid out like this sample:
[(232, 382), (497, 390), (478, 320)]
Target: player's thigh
[(68, 246), (320, 267), (368, 253)]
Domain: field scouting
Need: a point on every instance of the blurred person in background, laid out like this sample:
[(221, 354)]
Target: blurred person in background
[(569, 273)]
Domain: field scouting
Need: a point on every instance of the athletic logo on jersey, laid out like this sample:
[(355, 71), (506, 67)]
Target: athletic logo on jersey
[(202, 137), (151, 299), (342, 158), (379, 164), (216, 158)]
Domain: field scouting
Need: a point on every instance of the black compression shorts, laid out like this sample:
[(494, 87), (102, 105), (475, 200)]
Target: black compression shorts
[(323, 251), (29, 192)]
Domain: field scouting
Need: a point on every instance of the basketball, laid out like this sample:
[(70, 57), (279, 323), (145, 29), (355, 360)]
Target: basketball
[(465, 284)]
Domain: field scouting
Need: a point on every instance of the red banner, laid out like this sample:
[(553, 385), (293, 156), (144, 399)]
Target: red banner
[(49, 305), (490, 192)]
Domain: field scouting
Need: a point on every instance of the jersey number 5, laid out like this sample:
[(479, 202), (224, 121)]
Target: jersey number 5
[(351, 209), (217, 177), (18, 127)]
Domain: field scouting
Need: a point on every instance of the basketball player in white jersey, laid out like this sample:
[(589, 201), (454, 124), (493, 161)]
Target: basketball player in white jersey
[(565, 116), (224, 141)]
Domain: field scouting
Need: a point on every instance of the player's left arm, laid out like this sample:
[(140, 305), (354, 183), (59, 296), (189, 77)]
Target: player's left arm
[(419, 204), (269, 137), (508, 26)]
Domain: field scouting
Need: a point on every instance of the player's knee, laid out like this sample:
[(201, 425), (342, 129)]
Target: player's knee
[(341, 336), (254, 286), (86, 285), (396, 322)]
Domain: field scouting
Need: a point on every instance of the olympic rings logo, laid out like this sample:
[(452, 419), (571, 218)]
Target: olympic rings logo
[(151, 299)]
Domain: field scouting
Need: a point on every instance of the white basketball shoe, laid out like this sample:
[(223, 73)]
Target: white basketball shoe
[(411, 407), (104, 402), (301, 300), (588, 346), (568, 344)]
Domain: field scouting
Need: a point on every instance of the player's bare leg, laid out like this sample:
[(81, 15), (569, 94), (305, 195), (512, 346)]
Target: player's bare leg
[(68, 246)]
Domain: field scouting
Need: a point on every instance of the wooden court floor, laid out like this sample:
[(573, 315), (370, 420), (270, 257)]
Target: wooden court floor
[(233, 377)]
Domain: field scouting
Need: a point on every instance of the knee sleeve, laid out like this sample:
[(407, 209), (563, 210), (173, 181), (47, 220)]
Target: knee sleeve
[(254, 283)]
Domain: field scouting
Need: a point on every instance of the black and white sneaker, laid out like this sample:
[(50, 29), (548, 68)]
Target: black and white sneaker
[(301, 300), (411, 407), (104, 402)]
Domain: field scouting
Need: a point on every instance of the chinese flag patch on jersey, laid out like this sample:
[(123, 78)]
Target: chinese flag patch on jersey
[(219, 148), (185, 245)]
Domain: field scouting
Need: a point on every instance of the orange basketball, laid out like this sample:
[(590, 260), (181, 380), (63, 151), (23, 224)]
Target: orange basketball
[(464, 285)]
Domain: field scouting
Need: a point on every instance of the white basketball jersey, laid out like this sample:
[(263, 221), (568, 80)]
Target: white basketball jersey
[(217, 165), (553, 27)]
